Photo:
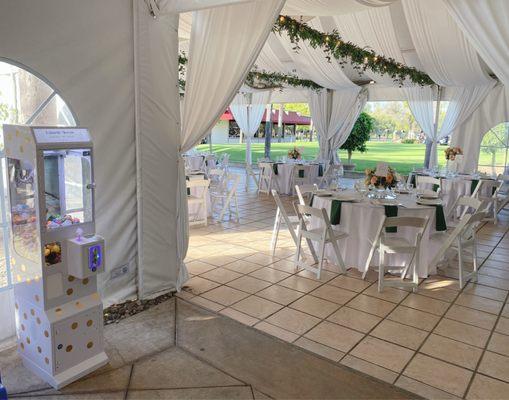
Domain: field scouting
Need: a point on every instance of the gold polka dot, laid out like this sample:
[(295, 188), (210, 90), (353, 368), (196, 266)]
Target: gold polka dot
[(58, 310), (32, 311), (68, 348), (74, 325), (17, 133), (46, 360), (25, 315), (69, 291), (38, 320), (28, 340), (39, 350), (22, 327), (16, 306), (46, 333), (36, 297), (18, 278), (70, 278), (89, 345), (90, 322), (22, 346), (85, 281), (23, 268)]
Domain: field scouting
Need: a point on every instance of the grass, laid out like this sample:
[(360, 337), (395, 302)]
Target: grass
[(402, 157)]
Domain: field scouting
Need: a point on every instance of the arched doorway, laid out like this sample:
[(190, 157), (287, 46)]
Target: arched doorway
[(493, 157)]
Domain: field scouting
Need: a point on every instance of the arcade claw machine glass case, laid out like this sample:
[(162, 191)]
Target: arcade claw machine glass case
[(55, 253)]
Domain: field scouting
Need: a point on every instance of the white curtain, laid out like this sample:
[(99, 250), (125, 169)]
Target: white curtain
[(225, 42), (311, 63), (484, 23), (247, 109), (452, 63), (332, 112)]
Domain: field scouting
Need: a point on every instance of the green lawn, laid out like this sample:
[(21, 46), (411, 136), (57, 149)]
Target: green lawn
[(402, 157)]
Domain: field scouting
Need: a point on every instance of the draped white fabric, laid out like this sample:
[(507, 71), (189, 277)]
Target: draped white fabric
[(332, 112), (484, 23), (452, 63), (313, 64), (224, 44), (247, 109), (330, 7), (420, 101)]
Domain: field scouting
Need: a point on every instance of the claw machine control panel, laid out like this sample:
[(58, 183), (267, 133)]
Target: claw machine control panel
[(55, 252)]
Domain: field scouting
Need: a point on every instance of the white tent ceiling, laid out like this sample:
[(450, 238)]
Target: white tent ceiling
[(349, 17)]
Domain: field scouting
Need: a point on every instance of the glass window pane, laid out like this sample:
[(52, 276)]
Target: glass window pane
[(494, 150)]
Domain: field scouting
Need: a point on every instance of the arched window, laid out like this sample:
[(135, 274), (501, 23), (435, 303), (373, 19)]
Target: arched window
[(25, 98), (493, 157)]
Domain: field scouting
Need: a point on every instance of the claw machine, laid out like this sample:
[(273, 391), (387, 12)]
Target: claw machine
[(55, 253)]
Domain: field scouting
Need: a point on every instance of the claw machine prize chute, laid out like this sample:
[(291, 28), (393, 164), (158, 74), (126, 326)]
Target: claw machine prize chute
[(55, 253)]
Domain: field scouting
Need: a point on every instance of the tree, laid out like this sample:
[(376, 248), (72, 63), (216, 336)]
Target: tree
[(359, 135)]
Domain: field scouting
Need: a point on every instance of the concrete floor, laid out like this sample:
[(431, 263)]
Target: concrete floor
[(178, 350)]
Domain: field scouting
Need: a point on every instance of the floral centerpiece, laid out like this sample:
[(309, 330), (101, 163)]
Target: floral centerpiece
[(388, 181), (452, 152), (294, 154)]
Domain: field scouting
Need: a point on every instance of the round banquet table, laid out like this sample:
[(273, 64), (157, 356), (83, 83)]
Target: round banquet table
[(361, 221), (283, 177), (455, 187)]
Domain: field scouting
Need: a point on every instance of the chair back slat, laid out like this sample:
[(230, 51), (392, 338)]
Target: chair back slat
[(414, 222)]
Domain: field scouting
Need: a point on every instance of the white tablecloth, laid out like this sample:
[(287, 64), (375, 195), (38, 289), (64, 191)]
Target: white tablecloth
[(362, 220), (284, 176), (453, 189), (194, 208)]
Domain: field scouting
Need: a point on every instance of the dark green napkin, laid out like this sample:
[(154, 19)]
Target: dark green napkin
[(274, 168), (391, 211), (188, 190), (301, 173), (440, 224), (436, 187), (320, 170), (473, 185), (412, 180), (335, 212), (311, 201)]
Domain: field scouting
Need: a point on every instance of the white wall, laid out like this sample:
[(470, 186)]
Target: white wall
[(220, 133)]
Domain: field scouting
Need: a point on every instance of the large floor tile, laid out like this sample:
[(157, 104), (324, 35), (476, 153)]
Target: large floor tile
[(320, 349), (300, 284), (484, 387), (426, 304), (479, 303), (257, 307), (353, 284), (423, 390), (495, 365), (439, 374), (369, 368), (415, 318), (502, 326), (240, 317), (371, 305), (464, 333), (382, 353), (249, 284), (354, 319), (280, 294), (315, 306), (198, 285), (219, 393), (499, 344), (335, 336), (471, 316), (225, 295), (293, 320), (403, 335), (389, 294), (334, 294), (242, 266), (197, 267), (452, 351), (221, 275), (269, 274)]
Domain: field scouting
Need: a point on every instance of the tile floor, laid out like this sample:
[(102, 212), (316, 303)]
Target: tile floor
[(438, 343)]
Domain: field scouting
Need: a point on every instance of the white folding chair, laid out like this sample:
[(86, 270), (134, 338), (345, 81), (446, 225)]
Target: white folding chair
[(491, 188), (305, 190), (462, 206), (461, 238), (330, 174), (503, 192), (322, 235), (266, 178), (217, 179), (225, 198), (224, 161), (209, 162), (388, 244), (301, 175), (427, 183), (291, 222), (199, 198)]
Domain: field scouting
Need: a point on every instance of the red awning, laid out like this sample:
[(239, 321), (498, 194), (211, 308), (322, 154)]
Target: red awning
[(289, 117)]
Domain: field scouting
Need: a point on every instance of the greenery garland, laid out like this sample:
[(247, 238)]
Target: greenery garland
[(360, 58), (258, 79)]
